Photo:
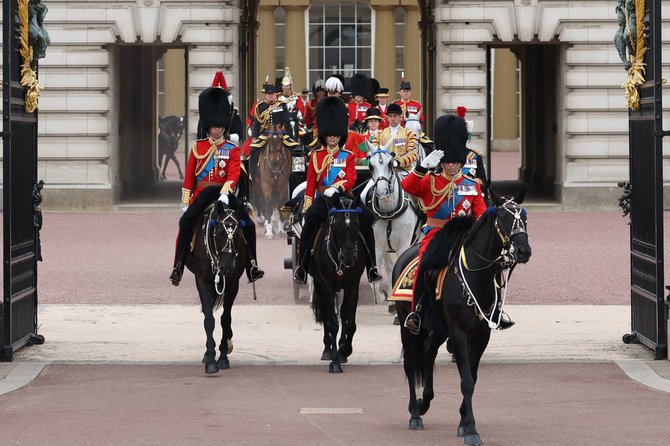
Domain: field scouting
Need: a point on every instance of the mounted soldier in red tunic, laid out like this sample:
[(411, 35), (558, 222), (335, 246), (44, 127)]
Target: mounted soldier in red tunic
[(212, 172), (332, 170), (408, 105), (358, 107)]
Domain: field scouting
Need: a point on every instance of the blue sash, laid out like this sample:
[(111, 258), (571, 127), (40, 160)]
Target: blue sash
[(451, 203), (223, 152), (335, 169)]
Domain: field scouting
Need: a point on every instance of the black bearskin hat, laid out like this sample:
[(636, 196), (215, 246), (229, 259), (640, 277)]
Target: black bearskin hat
[(360, 85), (331, 119), (214, 108), (451, 136)]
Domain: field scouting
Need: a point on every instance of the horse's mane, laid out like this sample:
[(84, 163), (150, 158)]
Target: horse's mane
[(442, 247), (479, 224)]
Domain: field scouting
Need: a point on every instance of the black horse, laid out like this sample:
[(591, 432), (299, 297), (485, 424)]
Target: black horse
[(483, 255), (217, 261), (171, 129), (338, 260)]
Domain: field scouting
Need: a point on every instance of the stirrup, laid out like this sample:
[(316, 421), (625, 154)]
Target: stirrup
[(373, 275), (413, 323), (300, 275), (505, 322), (175, 277)]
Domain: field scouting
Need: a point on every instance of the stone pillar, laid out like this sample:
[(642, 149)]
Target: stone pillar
[(412, 53), (385, 66), (295, 44), (265, 56)]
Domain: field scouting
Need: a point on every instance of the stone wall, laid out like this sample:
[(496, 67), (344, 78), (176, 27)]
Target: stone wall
[(592, 120), (77, 114)]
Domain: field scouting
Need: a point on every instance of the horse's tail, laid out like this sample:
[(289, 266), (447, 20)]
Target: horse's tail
[(320, 307)]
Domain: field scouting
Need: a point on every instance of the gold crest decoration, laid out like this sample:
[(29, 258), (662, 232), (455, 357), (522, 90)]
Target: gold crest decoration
[(28, 75), (637, 70)]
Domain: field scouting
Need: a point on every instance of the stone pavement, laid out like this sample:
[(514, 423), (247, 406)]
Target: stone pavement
[(288, 335)]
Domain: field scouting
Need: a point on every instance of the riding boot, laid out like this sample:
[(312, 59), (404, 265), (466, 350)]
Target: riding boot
[(300, 273), (413, 320), (253, 271), (179, 258), (369, 238), (505, 321)]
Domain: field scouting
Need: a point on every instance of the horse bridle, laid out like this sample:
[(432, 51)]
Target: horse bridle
[(211, 246), (403, 202), (339, 263)]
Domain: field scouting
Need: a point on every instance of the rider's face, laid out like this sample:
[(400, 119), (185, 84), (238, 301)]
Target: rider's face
[(332, 140), (382, 101), (216, 132), (270, 98), (358, 98), (405, 94), (286, 89), (451, 169), (373, 124), (394, 119)]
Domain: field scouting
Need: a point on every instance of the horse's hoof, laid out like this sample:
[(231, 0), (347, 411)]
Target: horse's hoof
[(211, 368), (342, 359), (461, 431), (230, 346), (327, 355), (472, 440), (223, 364), (268, 236), (335, 368), (415, 424)]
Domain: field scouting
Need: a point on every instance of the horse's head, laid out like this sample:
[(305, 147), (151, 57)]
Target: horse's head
[(275, 155), (413, 123), (343, 231), (380, 163), (511, 225), (225, 228)]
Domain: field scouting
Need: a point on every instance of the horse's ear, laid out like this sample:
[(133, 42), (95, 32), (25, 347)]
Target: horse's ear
[(495, 197), (520, 196), (370, 146), (388, 145)]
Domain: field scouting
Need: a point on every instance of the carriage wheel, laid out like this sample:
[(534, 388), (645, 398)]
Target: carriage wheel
[(294, 261)]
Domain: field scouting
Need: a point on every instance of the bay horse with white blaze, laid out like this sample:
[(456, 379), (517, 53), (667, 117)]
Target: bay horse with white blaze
[(482, 255), (217, 261)]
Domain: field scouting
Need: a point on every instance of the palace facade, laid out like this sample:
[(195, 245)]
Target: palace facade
[(540, 78)]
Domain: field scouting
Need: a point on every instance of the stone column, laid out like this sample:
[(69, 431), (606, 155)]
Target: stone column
[(412, 53), (384, 45), (265, 56), (295, 44)]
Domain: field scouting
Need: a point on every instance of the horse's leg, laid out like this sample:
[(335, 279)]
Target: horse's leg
[(380, 255), (331, 326), (348, 316), (207, 302), (226, 345), (431, 345), (461, 342)]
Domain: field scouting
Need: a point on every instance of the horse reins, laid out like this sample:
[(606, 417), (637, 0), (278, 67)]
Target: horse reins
[(347, 220), (507, 264), (228, 247)]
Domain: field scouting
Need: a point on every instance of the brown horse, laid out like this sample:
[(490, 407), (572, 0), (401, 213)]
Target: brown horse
[(271, 166)]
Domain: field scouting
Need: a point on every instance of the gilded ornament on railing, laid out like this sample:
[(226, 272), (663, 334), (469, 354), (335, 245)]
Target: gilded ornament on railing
[(629, 42), (33, 41)]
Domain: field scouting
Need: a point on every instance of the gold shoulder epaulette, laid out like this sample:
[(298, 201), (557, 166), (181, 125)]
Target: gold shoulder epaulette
[(475, 151)]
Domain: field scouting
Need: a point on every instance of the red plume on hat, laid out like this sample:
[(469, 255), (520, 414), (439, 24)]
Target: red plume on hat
[(461, 111), (219, 80)]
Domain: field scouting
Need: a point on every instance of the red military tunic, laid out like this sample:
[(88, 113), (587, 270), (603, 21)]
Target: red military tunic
[(329, 168), (443, 199), (409, 107), (310, 113), (211, 164), (357, 111)]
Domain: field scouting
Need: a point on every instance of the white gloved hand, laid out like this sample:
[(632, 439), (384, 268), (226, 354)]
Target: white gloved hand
[(183, 208), (432, 160), (223, 198), (396, 164), (234, 138), (330, 191)]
